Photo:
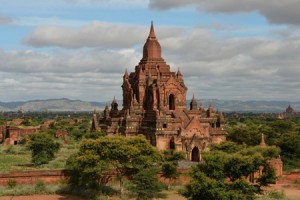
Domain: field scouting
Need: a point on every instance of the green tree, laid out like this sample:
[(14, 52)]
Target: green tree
[(145, 185), (125, 155), (209, 178), (43, 148), (227, 146), (94, 135), (170, 165)]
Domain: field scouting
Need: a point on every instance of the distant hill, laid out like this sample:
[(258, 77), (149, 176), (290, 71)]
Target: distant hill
[(51, 105), (78, 105), (252, 106)]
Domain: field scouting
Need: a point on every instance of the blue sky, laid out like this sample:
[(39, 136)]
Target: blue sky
[(79, 49)]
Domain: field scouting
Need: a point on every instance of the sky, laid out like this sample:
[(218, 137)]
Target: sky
[(79, 49)]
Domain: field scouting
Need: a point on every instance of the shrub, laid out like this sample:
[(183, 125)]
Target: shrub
[(10, 150), (40, 186), (11, 183), (43, 147)]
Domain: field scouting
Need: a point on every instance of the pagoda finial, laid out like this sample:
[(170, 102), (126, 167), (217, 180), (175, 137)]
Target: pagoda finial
[(179, 72), (221, 116), (152, 32), (125, 74), (193, 104), (262, 142)]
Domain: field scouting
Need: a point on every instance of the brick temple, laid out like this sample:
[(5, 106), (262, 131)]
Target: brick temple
[(154, 104)]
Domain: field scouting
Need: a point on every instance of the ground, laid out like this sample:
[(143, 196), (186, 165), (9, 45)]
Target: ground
[(291, 191), (44, 197), (68, 197)]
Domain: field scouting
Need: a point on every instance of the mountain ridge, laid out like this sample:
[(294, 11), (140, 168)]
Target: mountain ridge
[(65, 104)]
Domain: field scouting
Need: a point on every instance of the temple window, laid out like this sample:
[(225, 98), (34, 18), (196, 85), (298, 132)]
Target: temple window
[(171, 102)]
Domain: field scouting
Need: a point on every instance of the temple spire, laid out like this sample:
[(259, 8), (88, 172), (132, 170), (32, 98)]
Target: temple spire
[(262, 142), (152, 48), (193, 104), (126, 73), (152, 32)]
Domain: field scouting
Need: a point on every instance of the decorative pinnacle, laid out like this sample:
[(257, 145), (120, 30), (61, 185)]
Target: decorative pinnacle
[(152, 32), (262, 142), (178, 72), (126, 73)]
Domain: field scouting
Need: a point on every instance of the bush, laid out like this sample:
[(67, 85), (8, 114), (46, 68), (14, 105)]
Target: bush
[(23, 141), (10, 150), (145, 185), (40, 186), (11, 183), (43, 147)]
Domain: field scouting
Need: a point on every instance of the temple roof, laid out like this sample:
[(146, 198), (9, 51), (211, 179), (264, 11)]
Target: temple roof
[(152, 48)]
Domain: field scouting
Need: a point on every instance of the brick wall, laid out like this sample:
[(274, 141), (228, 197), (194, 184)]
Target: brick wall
[(290, 177), (55, 176), (31, 177)]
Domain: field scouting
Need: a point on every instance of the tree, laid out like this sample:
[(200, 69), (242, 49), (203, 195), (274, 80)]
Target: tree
[(170, 165), (43, 148), (94, 135), (209, 178), (145, 185), (226, 146), (125, 155)]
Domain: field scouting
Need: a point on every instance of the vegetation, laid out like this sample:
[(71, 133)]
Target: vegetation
[(210, 178), (170, 165), (93, 154), (14, 158), (42, 147), (284, 133), (145, 185), (20, 159), (125, 155)]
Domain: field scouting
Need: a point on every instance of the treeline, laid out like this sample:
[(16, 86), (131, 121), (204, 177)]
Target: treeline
[(283, 133)]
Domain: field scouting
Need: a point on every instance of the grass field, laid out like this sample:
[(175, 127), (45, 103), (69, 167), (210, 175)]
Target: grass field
[(18, 158)]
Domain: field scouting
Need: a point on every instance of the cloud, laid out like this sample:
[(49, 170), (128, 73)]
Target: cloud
[(96, 60), (275, 11), (95, 34), (236, 67), (212, 66), (5, 20), (84, 74)]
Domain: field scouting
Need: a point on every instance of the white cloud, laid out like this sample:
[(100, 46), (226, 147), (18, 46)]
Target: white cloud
[(276, 11), (95, 34), (236, 68), (213, 67)]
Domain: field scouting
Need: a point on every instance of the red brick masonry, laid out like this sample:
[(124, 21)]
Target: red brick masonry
[(55, 176)]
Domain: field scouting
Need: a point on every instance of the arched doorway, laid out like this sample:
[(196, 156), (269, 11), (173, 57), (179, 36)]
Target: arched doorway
[(172, 143), (195, 154), (171, 102)]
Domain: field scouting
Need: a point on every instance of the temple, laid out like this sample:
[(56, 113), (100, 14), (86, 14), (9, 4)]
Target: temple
[(154, 104), (289, 112)]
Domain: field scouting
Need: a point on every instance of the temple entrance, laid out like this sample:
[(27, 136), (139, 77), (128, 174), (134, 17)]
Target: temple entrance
[(172, 143), (195, 154), (171, 102)]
